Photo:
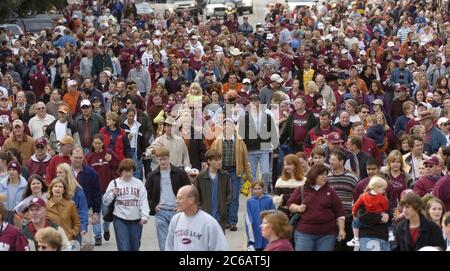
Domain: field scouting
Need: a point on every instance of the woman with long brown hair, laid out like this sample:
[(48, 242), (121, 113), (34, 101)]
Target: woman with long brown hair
[(292, 177)]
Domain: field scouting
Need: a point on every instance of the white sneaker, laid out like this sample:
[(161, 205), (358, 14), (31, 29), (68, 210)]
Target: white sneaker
[(353, 243), (391, 237)]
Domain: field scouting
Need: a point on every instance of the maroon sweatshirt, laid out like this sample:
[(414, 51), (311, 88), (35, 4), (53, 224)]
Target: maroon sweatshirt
[(279, 245), (323, 207), (106, 171), (425, 185), (11, 239), (442, 191)]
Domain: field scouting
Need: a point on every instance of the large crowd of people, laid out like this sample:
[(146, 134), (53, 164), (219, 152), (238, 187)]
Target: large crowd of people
[(335, 117)]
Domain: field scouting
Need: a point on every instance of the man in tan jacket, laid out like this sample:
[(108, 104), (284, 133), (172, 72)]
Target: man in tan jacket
[(234, 160), (20, 141)]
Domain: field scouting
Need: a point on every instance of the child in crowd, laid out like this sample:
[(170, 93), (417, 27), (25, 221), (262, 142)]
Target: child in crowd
[(373, 200), (259, 202), (318, 157), (375, 131)]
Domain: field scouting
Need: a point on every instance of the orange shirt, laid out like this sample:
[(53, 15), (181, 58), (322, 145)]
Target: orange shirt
[(71, 98), (226, 87)]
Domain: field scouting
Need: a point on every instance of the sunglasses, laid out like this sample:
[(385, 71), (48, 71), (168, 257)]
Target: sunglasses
[(428, 166), (40, 146), (85, 107)]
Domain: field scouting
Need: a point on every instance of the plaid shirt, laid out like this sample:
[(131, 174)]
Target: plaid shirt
[(228, 153)]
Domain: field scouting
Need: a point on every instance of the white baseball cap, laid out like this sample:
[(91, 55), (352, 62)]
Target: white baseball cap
[(269, 36), (276, 78), (441, 121), (85, 102), (390, 44)]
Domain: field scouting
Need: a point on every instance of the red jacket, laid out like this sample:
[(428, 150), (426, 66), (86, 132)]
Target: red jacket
[(372, 203), (119, 145)]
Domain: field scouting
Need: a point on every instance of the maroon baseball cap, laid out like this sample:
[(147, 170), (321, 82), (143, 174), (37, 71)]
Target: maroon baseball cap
[(433, 160), (37, 201), (41, 141), (14, 165), (334, 137)]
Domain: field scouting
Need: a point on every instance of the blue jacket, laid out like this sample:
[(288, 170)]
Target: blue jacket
[(253, 219), (82, 208), (61, 42), (18, 195), (437, 140), (396, 77), (88, 179)]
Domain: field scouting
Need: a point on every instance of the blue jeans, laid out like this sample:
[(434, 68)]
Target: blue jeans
[(373, 244), (264, 160), (162, 221), (128, 234), (97, 228), (235, 191), (310, 242), (138, 161)]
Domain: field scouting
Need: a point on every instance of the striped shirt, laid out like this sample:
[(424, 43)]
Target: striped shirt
[(402, 33), (344, 185)]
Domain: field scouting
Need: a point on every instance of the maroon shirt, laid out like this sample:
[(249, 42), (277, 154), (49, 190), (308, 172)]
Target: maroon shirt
[(442, 191), (300, 122), (106, 171), (279, 245), (323, 208), (11, 239), (399, 184)]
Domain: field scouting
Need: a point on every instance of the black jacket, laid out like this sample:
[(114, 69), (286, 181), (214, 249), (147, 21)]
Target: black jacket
[(178, 178), (288, 132), (430, 235), (267, 132)]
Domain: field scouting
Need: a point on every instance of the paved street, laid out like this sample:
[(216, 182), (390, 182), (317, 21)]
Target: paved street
[(150, 242)]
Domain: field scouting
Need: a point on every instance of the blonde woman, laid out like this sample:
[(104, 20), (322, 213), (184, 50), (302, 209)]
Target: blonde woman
[(75, 192), (61, 209), (310, 90), (195, 94), (396, 174)]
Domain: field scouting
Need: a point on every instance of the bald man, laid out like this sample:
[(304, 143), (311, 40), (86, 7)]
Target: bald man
[(192, 229)]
